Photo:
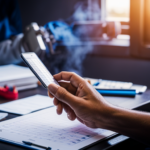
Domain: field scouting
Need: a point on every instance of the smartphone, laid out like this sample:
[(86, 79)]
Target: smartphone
[(38, 68)]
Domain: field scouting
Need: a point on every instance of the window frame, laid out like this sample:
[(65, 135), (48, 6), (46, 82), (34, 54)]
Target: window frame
[(139, 48)]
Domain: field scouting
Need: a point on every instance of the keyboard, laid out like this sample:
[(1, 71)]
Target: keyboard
[(108, 84), (118, 85)]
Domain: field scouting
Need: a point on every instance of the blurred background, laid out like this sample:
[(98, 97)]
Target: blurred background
[(113, 36)]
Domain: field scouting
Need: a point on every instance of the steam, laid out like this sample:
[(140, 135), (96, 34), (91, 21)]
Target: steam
[(75, 50), (75, 58), (70, 58), (87, 10)]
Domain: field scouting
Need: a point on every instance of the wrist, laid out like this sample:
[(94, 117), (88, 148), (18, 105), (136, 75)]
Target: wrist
[(107, 118)]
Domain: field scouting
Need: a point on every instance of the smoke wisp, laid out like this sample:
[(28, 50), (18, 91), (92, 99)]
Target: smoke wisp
[(72, 50)]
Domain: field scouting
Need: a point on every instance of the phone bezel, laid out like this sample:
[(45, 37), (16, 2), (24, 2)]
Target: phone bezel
[(23, 57)]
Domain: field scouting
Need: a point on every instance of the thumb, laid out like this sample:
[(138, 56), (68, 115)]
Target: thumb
[(63, 95)]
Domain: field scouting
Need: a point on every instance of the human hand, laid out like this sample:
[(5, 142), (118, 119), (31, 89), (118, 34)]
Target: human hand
[(80, 100)]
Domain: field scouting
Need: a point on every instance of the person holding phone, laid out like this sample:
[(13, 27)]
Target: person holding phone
[(81, 101)]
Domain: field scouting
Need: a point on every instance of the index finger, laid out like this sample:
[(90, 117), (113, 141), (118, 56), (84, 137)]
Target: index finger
[(74, 79)]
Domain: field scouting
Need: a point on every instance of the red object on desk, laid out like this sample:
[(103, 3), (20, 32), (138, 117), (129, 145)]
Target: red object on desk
[(9, 93)]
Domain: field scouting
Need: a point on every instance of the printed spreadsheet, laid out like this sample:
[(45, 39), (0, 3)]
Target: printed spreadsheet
[(51, 130)]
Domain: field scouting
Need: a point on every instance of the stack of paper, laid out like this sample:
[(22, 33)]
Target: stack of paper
[(21, 77)]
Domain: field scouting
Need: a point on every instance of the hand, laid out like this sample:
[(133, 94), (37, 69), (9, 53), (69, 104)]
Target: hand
[(80, 100)]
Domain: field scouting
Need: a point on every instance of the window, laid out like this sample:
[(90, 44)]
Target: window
[(134, 16), (135, 21), (118, 10)]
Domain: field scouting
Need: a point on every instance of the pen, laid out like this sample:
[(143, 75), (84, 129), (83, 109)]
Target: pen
[(117, 92), (32, 144)]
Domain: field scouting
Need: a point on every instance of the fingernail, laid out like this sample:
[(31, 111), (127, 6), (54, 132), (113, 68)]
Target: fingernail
[(53, 88), (69, 116)]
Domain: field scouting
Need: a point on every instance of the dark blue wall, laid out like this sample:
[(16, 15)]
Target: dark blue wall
[(43, 11)]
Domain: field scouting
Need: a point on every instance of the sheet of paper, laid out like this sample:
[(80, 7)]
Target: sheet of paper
[(27, 105), (48, 129)]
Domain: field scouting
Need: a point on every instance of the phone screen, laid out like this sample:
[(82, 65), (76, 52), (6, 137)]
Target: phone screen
[(38, 68)]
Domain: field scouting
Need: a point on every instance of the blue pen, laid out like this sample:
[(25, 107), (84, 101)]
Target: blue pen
[(32, 144), (115, 92), (96, 84)]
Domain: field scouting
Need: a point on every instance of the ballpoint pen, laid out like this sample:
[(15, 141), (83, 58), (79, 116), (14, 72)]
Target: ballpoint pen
[(32, 144)]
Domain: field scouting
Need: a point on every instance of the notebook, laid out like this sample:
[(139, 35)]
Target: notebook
[(48, 129)]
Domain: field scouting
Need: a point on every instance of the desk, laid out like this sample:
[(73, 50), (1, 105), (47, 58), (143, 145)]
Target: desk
[(126, 102)]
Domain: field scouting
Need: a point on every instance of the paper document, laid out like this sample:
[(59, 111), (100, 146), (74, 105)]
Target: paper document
[(48, 129), (27, 105), (14, 72), (13, 75)]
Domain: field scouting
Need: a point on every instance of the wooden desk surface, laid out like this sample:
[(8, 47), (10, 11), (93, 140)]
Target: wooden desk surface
[(127, 102)]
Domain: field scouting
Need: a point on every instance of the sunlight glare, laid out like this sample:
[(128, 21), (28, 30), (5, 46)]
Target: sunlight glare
[(118, 9)]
